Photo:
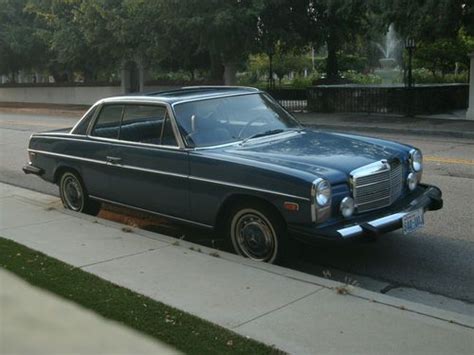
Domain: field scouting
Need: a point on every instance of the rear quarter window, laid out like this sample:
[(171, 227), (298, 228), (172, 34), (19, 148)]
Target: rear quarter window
[(84, 123)]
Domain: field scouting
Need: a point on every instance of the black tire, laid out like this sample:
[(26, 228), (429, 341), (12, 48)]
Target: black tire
[(74, 194), (255, 231)]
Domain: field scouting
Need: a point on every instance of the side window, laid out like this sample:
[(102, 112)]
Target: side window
[(81, 128), (144, 124), (108, 122)]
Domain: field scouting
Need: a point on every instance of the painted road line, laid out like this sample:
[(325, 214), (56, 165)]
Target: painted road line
[(449, 160)]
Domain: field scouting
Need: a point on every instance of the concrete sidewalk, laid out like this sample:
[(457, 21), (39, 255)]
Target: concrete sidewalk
[(296, 312)]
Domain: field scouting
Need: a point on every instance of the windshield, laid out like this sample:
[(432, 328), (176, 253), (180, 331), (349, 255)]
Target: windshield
[(223, 120)]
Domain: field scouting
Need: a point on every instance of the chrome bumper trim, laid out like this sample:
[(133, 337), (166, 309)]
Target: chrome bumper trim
[(356, 230)]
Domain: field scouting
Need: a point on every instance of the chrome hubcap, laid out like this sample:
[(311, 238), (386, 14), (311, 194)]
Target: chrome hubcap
[(254, 236), (72, 192)]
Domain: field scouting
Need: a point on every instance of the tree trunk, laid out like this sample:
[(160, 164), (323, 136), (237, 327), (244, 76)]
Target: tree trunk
[(230, 74), (331, 63), (88, 75), (216, 71)]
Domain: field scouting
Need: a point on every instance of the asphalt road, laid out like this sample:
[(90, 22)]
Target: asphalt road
[(438, 259)]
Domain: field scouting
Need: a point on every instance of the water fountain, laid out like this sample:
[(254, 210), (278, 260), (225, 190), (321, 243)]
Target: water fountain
[(391, 96), (389, 71)]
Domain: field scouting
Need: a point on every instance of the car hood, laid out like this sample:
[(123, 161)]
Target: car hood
[(327, 154)]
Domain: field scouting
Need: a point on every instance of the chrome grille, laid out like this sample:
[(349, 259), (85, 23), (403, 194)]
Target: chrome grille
[(377, 185)]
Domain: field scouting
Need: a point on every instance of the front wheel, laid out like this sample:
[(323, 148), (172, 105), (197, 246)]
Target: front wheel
[(74, 196), (257, 233)]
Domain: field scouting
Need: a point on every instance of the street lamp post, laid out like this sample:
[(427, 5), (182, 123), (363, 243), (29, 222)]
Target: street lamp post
[(410, 47)]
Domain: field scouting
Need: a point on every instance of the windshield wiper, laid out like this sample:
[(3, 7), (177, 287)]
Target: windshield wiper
[(263, 134)]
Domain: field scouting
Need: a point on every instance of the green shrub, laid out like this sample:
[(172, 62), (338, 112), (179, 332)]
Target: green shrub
[(247, 78), (425, 76), (300, 82), (360, 78), (345, 61)]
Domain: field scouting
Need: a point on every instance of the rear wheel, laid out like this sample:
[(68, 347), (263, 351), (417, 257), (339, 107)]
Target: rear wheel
[(74, 195), (258, 233)]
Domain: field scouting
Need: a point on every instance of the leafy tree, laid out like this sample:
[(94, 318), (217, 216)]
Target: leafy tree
[(280, 26), (442, 29), (429, 19), (283, 63), (175, 48), (61, 25), (441, 56), (226, 30), (335, 23), (20, 48)]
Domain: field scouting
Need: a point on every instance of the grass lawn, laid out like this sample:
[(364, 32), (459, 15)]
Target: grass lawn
[(185, 332)]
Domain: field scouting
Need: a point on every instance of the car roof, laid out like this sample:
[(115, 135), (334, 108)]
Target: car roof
[(183, 94)]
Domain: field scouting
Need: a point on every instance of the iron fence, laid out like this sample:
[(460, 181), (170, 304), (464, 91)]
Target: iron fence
[(423, 99), (291, 99)]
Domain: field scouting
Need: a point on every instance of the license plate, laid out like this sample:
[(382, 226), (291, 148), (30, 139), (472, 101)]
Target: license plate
[(413, 221)]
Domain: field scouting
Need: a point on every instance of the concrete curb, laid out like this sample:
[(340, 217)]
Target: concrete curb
[(418, 132), (370, 296)]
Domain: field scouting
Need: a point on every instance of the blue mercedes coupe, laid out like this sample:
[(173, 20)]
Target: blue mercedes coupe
[(233, 160)]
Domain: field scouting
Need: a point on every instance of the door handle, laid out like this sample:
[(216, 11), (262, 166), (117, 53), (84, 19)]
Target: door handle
[(113, 160)]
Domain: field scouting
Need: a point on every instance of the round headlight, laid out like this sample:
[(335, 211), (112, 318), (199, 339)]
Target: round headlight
[(347, 206), (416, 160), (323, 193), (412, 181)]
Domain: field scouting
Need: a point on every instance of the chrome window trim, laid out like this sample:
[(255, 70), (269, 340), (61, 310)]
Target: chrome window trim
[(133, 99), (174, 125), (151, 212), (54, 134), (223, 87), (245, 187), (169, 111)]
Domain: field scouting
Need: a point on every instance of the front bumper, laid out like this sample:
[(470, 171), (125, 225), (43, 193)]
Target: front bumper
[(375, 223)]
